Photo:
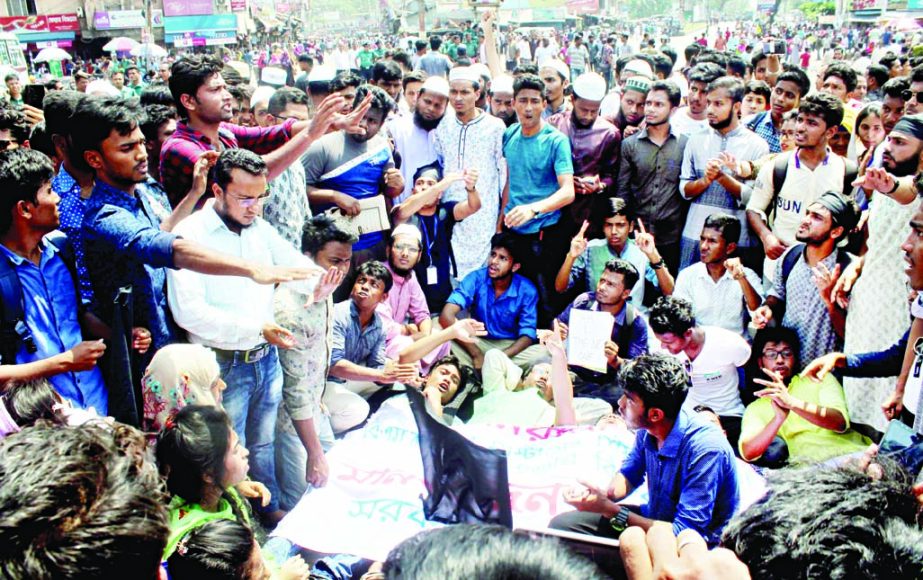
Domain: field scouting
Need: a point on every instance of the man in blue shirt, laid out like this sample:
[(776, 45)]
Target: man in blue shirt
[(52, 334), (540, 182), (501, 299), (357, 351), (122, 239), (629, 330), (687, 462)]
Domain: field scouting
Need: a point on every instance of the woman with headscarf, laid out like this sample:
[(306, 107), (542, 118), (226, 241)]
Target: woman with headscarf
[(179, 375)]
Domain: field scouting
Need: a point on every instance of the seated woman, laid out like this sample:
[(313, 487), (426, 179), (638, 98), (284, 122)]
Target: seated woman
[(179, 375), (24, 403), (203, 460), (806, 419)]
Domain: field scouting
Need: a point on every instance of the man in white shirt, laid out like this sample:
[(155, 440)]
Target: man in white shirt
[(721, 290), (713, 355), (234, 316), (691, 119)]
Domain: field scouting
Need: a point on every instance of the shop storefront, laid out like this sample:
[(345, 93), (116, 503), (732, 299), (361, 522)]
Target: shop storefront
[(43, 31)]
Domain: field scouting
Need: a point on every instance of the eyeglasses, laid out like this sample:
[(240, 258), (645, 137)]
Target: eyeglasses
[(773, 354), (908, 94), (407, 248), (248, 202)]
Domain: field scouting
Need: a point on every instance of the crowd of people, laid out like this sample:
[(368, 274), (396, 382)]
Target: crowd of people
[(205, 285)]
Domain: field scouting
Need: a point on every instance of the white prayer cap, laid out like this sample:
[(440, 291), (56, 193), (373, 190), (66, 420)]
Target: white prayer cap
[(436, 85), (503, 84), (103, 88), (590, 86), (481, 69), (261, 96), (322, 73), (464, 73), (638, 67), (407, 230), (559, 66)]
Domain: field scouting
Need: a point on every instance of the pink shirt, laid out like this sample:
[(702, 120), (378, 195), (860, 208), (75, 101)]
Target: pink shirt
[(405, 300)]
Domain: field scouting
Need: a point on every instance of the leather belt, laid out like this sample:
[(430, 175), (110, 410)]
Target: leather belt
[(248, 356)]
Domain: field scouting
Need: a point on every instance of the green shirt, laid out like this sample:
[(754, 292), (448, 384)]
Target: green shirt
[(185, 517), (366, 59), (807, 443), (451, 49)]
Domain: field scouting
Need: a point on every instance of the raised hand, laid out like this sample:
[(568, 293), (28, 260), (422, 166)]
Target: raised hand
[(876, 179), (825, 280), (762, 316), (775, 390), (329, 282), (735, 268), (325, 116), (200, 170), (820, 367), (645, 242), (471, 179), (468, 330), (578, 243)]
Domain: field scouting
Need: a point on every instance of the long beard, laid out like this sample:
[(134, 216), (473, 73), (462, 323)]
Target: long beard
[(722, 124), (424, 123)]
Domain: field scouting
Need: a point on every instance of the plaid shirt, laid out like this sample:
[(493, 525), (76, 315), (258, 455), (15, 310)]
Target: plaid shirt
[(181, 151), (761, 124)]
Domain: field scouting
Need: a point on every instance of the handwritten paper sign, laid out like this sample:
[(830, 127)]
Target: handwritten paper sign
[(587, 335)]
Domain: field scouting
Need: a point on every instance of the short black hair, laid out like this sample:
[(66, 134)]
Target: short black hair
[(232, 76), (669, 53), (242, 159), (714, 57), (241, 93), (132, 67), (916, 74), (879, 73), (660, 381), (798, 77), (381, 101), (343, 80), (154, 117), (774, 334), (11, 77), (285, 96), (704, 73), (80, 502), (156, 94), (728, 225), (322, 229), (618, 206), (484, 551), (737, 66), (386, 70), (844, 72), (671, 315), (528, 82), (888, 60), (509, 243), (304, 57), (662, 64), (674, 95), (188, 74), (417, 76), (758, 88), (376, 271), (733, 86), (420, 45), (40, 140), (526, 69), (435, 42), (629, 273), (22, 173), (96, 117), (756, 58), (833, 522), (16, 123), (59, 107), (823, 105), (691, 51), (895, 87), (402, 58)]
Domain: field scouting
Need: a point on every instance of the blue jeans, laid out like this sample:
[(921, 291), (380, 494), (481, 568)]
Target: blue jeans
[(252, 397), (292, 457)]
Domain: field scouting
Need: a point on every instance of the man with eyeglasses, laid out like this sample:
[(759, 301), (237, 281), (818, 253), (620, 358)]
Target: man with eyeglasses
[(794, 418), (405, 314), (234, 316), (287, 208)]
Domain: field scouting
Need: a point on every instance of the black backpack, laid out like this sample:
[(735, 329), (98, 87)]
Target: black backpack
[(791, 258), (780, 168)]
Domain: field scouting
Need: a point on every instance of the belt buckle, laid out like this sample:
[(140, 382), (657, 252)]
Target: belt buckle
[(254, 355)]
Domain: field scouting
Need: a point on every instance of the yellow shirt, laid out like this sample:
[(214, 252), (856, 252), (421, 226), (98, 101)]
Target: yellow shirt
[(806, 441)]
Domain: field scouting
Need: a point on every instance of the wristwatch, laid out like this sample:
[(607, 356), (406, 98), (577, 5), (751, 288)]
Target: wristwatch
[(620, 521)]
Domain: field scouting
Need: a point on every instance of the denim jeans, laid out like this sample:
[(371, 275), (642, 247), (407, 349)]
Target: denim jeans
[(292, 457), (252, 397)]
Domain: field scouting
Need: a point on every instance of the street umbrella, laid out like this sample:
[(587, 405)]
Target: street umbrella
[(50, 54), (148, 50), (120, 44)]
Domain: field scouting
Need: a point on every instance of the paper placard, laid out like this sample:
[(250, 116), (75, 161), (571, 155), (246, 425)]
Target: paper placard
[(587, 335)]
